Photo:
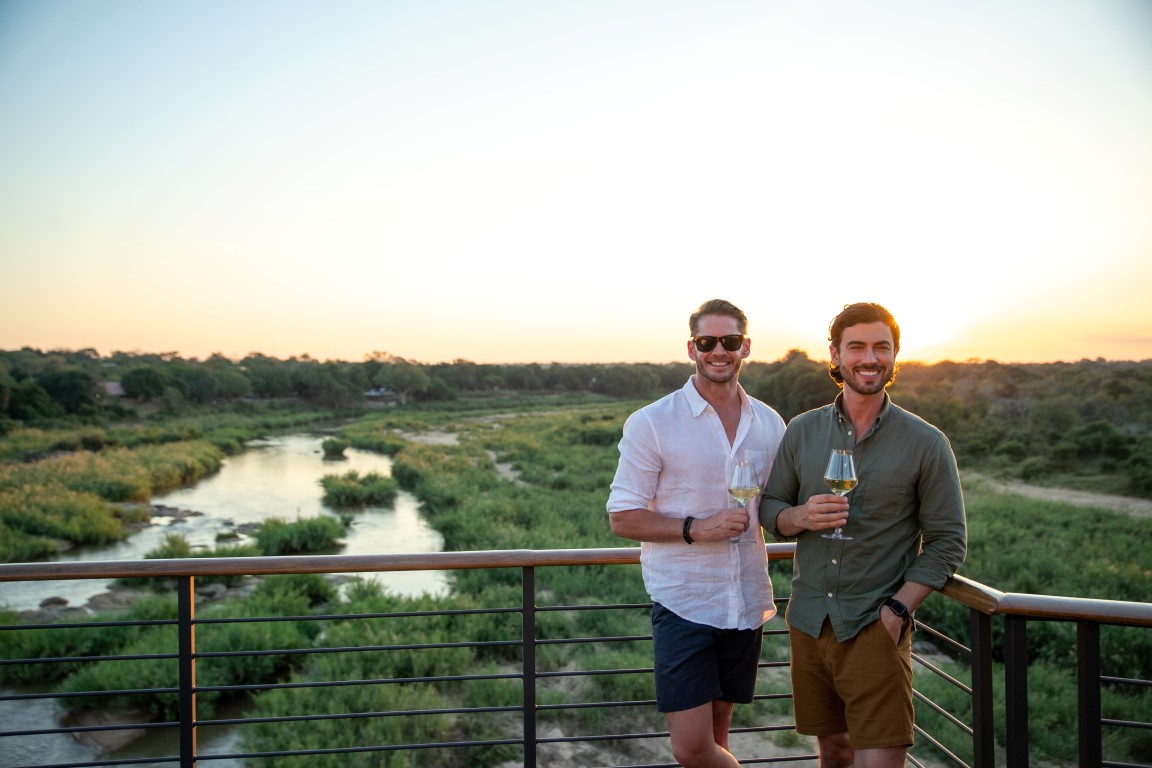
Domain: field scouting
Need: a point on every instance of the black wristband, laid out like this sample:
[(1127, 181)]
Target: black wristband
[(898, 608), (687, 528)]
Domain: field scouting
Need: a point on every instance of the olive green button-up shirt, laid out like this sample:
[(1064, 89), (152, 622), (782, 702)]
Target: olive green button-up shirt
[(906, 516)]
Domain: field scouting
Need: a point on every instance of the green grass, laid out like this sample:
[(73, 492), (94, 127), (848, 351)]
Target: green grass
[(355, 490), (564, 458)]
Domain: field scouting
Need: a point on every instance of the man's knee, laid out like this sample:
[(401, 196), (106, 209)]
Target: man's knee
[(835, 751)]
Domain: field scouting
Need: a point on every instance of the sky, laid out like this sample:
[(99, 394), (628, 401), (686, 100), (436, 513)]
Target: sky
[(505, 181)]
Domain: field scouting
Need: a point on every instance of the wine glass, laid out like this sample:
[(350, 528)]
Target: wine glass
[(841, 478), (743, 485)]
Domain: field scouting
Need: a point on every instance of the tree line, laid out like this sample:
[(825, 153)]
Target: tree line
[(1089, 420)]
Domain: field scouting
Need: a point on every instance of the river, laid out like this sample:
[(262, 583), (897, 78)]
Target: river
[(278, 477)]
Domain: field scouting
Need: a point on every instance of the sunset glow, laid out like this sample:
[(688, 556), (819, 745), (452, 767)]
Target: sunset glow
[(504, 181)]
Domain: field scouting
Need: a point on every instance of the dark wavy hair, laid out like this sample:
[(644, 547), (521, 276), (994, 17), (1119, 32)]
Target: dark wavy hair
[(856, 314), (718, 307)]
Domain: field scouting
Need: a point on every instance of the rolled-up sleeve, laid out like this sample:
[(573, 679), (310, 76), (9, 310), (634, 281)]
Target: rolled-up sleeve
[(781, 490), (943, 522), (638, 472)]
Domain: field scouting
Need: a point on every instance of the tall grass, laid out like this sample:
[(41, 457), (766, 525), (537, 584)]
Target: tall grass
[(355, 490), (76, 488), (87, 497), (564, 460), (276, 536), (34, 518), (227, 430)]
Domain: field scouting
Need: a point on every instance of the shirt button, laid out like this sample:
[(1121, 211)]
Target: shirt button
[(829, 594), (833, 561)]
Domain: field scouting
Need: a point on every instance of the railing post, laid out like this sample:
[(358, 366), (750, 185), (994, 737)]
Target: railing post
[(529, 673), (1088, 685), (983, 714), (186, 648), (1016, 691)]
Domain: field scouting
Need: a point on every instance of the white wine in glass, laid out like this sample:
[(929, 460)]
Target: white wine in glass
[(841, 478), (743, 487)]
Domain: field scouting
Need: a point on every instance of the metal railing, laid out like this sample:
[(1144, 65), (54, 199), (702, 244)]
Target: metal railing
[(531, 677)]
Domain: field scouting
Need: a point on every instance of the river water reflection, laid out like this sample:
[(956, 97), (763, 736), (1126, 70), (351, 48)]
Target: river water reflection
[(278, 477)]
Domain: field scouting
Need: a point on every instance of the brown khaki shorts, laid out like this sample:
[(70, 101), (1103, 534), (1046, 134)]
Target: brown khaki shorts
[(862, 686)]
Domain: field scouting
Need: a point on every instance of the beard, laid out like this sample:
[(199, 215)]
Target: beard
[(870, 386), (718, 377)]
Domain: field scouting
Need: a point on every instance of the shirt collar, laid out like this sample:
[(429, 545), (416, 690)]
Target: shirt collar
[(697, 402), (884, 409)]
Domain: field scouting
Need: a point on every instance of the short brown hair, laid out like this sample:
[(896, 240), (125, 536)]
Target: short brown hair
[(718, 307)]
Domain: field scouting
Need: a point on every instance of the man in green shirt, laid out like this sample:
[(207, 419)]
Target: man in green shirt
[(849, 618)]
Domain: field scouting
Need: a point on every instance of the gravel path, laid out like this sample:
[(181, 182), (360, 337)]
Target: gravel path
[(1127, 504)]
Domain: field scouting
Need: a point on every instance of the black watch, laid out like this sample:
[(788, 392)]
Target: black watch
[(897, 608)]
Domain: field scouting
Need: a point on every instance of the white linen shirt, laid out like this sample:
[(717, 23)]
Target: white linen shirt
[(674, 460)]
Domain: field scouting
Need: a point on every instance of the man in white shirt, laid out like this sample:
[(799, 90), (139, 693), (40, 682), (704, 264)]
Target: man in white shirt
[(711, 594)]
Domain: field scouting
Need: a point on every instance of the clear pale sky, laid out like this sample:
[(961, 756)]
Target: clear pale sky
[(504, 181)]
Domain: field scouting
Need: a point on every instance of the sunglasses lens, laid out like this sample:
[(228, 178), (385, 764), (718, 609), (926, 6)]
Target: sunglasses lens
[(733, 342), (705, 343)]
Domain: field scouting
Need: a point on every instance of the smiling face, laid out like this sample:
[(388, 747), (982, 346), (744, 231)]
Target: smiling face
[(866, 357), (718, 366)]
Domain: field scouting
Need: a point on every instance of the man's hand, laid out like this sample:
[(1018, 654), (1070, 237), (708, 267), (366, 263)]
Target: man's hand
[(721, 525), (893, 623), (821, 512)]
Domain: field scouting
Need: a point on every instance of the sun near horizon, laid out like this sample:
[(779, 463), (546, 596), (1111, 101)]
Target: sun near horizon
[(505, 183)]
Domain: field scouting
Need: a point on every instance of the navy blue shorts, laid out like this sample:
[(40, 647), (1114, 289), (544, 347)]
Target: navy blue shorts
[(696, 664)]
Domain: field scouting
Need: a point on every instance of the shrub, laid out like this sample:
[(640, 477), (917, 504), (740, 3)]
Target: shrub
[(352, 489), (334, 448), (312, 534), (37, 513), (1139, 470)]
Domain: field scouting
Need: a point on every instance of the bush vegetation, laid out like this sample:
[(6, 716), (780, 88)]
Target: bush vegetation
[(309, 534), (334, 447), (355, 490), (1081, 425)]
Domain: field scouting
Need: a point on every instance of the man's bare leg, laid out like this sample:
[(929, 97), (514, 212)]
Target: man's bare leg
[(836, 752), (700, 735)]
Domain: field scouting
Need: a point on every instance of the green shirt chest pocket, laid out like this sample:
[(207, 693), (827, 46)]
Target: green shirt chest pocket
[(885, 492)]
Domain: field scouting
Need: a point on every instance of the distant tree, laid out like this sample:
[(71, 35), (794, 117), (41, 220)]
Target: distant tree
[(561, 377), (28, 401), (231, 384), (145, 382), (626, 381), (269, 377), (1099, 438), (796, 385), (73, 388), (172, 402), (463, 375), (373, 362), (523, 377), (404, 378), (438, 390), (6, 384), (323, 383), (217, 361), (25, 362), (357, 376), (199, 384), (1139, 469)]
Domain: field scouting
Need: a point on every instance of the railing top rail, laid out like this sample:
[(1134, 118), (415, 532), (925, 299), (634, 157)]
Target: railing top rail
[(970, 593), (993, 602), (265, 566)]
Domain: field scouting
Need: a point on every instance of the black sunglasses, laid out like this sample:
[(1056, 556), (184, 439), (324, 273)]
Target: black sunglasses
[(731, 342)]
